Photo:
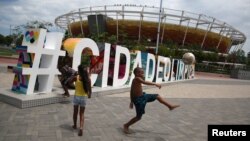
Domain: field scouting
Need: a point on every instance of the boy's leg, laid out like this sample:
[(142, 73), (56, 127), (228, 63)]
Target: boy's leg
[(66, 94), (75, 116), (132, 121), (170, 106), (140, 110)]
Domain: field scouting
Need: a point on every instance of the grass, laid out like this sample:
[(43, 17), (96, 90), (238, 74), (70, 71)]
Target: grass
[(7, 52)]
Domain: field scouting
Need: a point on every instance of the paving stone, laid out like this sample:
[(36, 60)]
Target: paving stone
[(105, 115)]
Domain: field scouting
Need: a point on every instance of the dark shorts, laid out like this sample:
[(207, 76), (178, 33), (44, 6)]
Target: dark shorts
[(141, 101)]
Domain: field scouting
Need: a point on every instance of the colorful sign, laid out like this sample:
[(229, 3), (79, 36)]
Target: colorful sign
[(37, 64), (109, 65), (117, 63)]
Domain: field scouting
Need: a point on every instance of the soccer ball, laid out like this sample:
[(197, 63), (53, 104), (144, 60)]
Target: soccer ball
[(188, 58)]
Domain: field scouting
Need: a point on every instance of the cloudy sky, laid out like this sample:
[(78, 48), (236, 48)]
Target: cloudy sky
[(16, 12)]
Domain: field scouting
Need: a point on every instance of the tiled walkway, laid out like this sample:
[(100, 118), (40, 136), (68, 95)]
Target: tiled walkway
[(203, 102)]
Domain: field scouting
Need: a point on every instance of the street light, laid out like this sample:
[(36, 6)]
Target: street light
[(158, 31)]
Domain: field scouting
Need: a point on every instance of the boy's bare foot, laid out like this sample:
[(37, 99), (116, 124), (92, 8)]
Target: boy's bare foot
[(80, 132), (125, 129), (173, 107), (74, 126)]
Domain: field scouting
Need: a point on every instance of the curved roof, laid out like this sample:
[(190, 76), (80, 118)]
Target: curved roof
[(151, 14)]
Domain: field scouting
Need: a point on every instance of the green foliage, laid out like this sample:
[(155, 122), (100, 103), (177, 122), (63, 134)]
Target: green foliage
[(16, 37), (248, 63), (173, 33), (8, 40), (18, 40), (5, 40), (164, 51), (241, 58), (2, 39), (112, 39), (237, 57), (138, 47), (80, 36), (66, 35), (199, 55), (211, 68), (213, 57), (101, 37), (37, 24), (7, 52), (221, 58), (178, 53)]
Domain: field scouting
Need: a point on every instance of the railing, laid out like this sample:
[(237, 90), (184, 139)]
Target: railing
[(151, 13)]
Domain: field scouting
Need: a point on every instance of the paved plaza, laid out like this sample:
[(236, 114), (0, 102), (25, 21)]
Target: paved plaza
[(203, 101)]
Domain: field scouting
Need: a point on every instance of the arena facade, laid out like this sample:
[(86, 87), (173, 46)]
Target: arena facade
[(141, 22)]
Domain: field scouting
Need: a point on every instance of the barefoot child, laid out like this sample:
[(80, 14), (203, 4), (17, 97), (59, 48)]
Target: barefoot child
[(140, 99), (82, 91)]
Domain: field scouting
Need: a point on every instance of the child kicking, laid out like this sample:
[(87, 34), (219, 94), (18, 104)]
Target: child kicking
[(140, 99)]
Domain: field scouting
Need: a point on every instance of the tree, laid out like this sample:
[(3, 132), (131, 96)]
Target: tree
[(231, 57), (2, 39), (199, 56), (213, 57), (37, 24), (16, 36), (237, 57), (112, 39), (15, 39), (248, 63), (8, 40), (241, 58)]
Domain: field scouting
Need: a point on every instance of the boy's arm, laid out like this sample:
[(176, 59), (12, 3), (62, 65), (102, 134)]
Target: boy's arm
[(148, 83), (131, 100), (72, 79)]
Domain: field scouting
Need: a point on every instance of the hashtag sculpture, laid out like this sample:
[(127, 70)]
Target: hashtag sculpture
[(46, 49)]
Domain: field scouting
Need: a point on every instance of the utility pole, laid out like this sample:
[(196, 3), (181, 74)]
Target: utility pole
[(10, 29), (158, 31)]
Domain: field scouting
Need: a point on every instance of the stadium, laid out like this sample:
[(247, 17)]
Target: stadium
[(140, 23)]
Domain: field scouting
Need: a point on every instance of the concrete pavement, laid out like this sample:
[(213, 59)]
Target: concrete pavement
[(203, 101)]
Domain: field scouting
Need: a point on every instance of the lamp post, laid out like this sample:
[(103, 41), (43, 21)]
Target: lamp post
[(158, 31)]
